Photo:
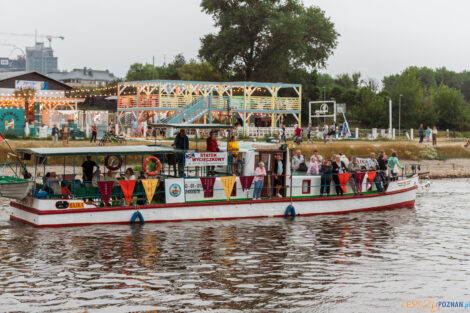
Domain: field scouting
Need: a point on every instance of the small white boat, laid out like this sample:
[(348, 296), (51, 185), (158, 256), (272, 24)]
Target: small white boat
[(15, 188), (184, 198)]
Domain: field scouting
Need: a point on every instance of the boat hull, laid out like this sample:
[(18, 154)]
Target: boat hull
[(17, 191), (401, 194)]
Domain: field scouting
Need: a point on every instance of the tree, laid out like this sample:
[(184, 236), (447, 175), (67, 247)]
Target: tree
[(139, 71), (203, 71), (450, 107), (265, 39)]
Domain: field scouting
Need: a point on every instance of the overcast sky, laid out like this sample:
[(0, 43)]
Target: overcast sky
[(378, 37)]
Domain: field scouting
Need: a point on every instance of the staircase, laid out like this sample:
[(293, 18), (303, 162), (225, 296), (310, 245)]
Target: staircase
[(191, 112)]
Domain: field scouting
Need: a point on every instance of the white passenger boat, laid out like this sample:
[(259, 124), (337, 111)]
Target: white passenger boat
[(166, 197)]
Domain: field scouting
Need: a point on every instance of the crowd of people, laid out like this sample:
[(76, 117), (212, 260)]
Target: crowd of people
[(386, 168)]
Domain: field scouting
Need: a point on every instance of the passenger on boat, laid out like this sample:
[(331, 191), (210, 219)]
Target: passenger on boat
[(353, 168), (326, 171), (298, 162), (212, 146), (278, 175), (129, 174), (344, 159), (338, 168), (393, 163), (318, 156), (98, 176), (233, 148), (314, 166), (260, 173), (181, 143), (382, 161), (374, 166), (52, 182), (87, 168)]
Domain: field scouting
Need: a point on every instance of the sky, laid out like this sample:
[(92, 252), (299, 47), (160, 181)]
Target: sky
[(377, 37)]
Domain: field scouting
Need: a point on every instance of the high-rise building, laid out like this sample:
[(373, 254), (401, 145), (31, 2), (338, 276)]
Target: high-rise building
[(40, 59)]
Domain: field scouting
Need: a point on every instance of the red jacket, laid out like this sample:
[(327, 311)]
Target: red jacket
[(212, 145), (298, 131)]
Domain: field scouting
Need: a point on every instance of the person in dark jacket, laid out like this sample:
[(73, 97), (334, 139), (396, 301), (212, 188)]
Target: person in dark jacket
[(421, 133), (326, 173), (338, 168), (181, 143), (382, 161)]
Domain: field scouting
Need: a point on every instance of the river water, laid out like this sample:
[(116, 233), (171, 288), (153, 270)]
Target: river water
[(362, 262)]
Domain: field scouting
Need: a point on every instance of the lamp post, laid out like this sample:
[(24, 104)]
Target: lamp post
[(399, 115)]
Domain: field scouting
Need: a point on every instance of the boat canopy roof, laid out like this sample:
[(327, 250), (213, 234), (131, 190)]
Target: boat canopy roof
[(110, 150), (194, 126)]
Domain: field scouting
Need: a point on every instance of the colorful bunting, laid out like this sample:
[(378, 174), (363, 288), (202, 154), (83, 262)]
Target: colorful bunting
[(227, 183), (371, 177), (105, 188), (359, 178), (343, 180), (127, 187), (207, 185), (149, 186), (246, 182)]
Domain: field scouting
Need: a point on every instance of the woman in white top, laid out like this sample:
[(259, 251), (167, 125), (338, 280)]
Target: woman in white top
[(130, 174)]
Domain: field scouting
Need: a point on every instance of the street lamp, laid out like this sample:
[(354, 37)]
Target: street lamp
[(399, 114)]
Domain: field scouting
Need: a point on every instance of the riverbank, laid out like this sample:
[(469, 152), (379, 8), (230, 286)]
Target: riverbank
[(447, 160)]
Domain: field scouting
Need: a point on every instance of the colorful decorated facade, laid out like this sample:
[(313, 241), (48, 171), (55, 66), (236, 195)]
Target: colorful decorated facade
[(34, 98), (175, 101)]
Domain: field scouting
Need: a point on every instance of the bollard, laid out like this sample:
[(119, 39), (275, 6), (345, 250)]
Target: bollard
[(393, 134), (411, 134), (357, 133)]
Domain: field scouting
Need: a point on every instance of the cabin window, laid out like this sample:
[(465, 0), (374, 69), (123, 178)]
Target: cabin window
[(306, 186), (234, 190)]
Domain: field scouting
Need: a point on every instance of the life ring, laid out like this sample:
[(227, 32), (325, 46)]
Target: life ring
[(110, 162), (157, 170)]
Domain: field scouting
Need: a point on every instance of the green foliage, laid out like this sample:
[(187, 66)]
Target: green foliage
[(264, 40), (449, 106), (203, 71)]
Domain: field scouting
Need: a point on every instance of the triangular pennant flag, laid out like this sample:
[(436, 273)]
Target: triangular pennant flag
[(149, 186), (105, 188), (227, 183), (371, 177), (343, 180), (127, 187), (246, 182), (207, 185), (359, 178)]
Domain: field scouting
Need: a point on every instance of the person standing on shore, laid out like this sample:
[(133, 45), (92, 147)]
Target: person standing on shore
[(428, 134), (94, 132), (325, 133), (55, 134), (434, 136), (421, 133), (309, 133), (65, 133)]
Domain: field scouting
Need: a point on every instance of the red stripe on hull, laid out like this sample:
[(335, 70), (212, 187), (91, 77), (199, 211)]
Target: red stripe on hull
[(407, 204), (176, 205)]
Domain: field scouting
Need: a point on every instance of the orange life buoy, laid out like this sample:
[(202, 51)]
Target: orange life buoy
[(156, 160)]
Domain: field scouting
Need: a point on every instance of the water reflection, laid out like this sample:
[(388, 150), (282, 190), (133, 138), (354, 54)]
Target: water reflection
[(343, 263)]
